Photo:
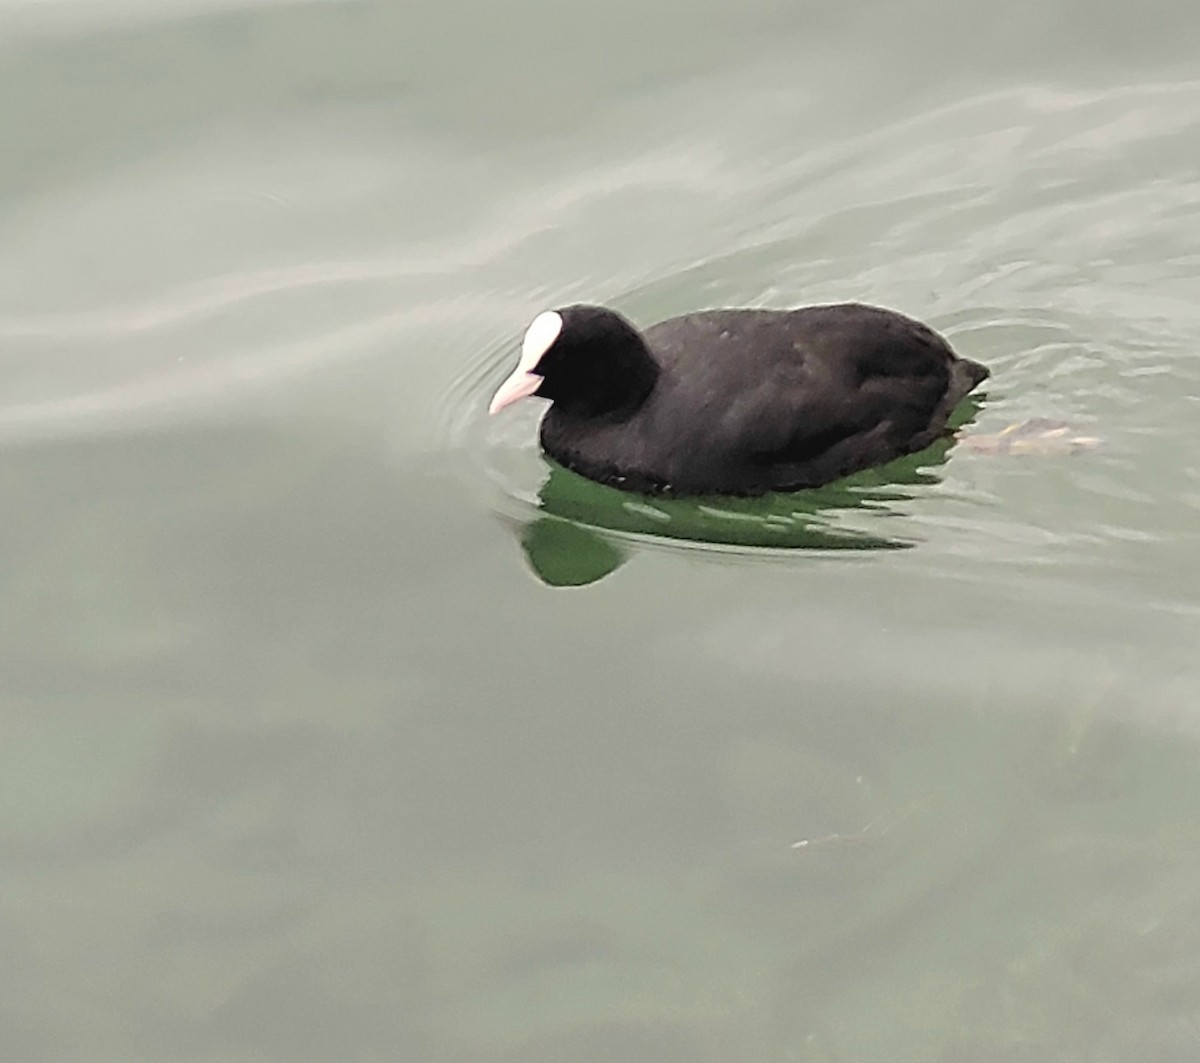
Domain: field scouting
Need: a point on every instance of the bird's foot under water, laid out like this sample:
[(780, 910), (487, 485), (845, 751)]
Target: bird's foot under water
[(1038, 435)]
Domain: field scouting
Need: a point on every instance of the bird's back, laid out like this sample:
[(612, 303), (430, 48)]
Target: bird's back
[(756, 400)]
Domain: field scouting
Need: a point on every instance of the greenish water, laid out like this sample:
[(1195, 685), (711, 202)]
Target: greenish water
[(335, 724)]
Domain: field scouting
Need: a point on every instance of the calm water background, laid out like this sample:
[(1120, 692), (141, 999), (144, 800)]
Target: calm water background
[(303, 756)]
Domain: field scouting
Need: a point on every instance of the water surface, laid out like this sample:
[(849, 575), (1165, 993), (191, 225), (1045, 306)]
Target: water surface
[(338, 725)]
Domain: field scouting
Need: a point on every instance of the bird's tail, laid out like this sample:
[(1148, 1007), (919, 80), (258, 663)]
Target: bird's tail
[(965, 376)]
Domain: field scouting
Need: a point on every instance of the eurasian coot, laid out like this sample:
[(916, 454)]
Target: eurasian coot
[(736, 402)]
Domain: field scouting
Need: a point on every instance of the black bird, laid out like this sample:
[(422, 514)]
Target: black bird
[(736, 402)]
